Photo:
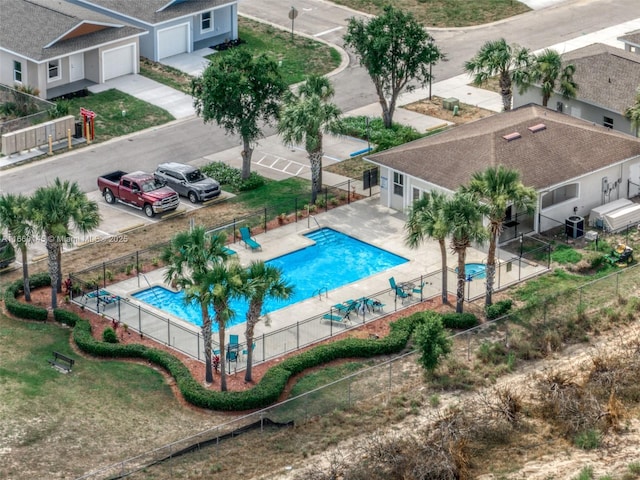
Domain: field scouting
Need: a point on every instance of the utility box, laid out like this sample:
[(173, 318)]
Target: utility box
[(449, 103)]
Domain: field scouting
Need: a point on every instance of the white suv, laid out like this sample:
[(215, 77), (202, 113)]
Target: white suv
[(188, 181)]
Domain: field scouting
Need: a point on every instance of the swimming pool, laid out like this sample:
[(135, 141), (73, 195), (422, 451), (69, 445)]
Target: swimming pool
[(475, 271), (333, 261)]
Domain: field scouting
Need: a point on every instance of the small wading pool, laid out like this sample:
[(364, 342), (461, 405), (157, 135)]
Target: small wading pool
[(333, 261), (475, 271)]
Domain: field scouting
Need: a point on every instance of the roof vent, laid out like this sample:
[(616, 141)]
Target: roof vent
[(512, 136), (537, 128)]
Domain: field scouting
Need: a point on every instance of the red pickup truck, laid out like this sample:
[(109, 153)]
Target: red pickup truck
[(140, 190)]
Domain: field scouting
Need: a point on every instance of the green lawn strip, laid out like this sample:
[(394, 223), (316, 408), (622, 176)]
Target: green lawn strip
[(281, 195), (445, 13), (165, 74), (111, 121), (300, 57)]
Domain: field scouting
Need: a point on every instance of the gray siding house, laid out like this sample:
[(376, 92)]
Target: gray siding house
[(573, 164), (173, 26), (607, 79), (57, 47)]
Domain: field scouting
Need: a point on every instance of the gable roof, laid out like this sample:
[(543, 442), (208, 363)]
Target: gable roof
[(606, 76), (156, 11), (631, 38), (44, 29), (566, 148)]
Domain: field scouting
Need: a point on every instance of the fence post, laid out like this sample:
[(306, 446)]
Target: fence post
[(618, 283), (137, 269), (297, 336), (139, 320), (326, 199), (348, 191), (389, 389), (168, 332), (295, 209), (265, 219), (104, 274)]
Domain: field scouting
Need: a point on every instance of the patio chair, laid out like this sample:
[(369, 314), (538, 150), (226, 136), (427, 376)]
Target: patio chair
[(418, 290), (399, 292), (245, 351), (245, 234)]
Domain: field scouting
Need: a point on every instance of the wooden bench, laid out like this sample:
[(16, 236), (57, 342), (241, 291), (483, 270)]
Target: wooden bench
[(61, 362)]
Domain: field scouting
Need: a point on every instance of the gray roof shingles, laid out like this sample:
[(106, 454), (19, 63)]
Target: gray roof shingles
[(566, 149), (149, 10), (27, 26), (606, 76)]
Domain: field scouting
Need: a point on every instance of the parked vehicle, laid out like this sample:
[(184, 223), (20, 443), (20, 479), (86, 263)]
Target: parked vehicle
[(7, 253), (188, 181), (139, 190)]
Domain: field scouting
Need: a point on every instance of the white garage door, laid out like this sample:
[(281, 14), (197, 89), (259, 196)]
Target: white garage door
[(172, 41), (119, 61)]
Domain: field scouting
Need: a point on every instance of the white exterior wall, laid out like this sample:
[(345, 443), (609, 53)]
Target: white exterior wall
[(575, 108)]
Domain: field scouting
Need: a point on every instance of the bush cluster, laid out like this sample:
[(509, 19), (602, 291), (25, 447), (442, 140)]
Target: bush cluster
[(459, 321), (272, 384), (498, 309), (232, 177), (383, 138)]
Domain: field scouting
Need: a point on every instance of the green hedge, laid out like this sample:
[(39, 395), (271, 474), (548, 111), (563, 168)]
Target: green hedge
[(459, 320), (498, 309), (265, 393), (25, 310)]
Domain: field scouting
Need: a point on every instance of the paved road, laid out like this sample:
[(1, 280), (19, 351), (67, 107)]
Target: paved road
[(191, 140)]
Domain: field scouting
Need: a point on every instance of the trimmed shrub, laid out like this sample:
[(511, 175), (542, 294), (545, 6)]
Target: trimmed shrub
[(498, 309), (25, 310), (109, 335), (459, 321)]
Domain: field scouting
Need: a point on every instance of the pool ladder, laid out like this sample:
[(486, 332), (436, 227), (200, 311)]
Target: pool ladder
[(319, 292)]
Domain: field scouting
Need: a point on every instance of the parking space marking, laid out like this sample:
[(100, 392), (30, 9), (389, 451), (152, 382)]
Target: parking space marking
[(277, 164)]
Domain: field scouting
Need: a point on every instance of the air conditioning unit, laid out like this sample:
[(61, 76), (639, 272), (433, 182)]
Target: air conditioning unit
[(574, 226)]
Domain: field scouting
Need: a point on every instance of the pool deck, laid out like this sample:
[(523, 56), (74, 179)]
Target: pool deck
[(365, 220)]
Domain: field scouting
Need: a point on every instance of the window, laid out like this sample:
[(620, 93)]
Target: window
[(17, 71), (608, 122), (54, 69), (398, 183), (206, 23), (559, 195)]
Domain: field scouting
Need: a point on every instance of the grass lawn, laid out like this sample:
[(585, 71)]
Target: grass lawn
[(445, 13), (110, 120), (300, 56), (101, 412)]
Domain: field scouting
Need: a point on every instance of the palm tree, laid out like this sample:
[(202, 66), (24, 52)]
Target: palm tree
[(464, 216), (633, 113), (426, 221), (547, 71), (509, 62), (499, 187), (54, 210), (14, 217), (224, 282), (262, 281), (306, 117), (189, 253)]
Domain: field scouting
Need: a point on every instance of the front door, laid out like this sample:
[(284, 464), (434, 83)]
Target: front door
[(76, 67)]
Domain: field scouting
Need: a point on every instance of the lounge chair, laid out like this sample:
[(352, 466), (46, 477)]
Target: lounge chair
[(343, 314), (102, 296), (374, 304), (245, 234), (245, 351), (418, 290), (228, 251)]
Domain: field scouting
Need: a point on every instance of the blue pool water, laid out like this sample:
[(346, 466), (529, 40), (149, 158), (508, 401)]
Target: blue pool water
[(476, 271), (333, 261)]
